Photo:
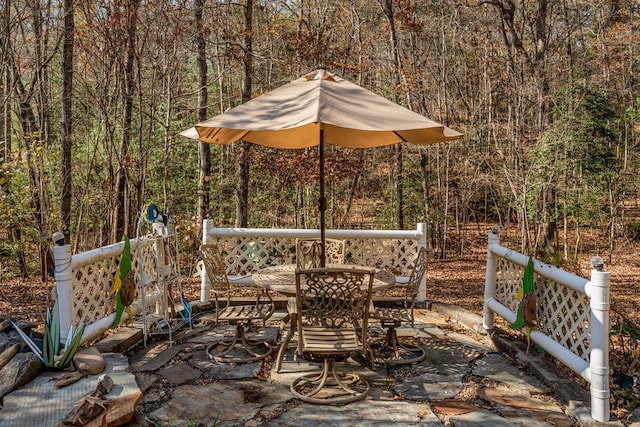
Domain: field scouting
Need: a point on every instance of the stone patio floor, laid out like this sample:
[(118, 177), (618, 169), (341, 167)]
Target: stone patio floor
[(467, 379)]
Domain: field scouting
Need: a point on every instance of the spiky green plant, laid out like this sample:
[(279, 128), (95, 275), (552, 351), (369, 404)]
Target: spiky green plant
[(51, 355)]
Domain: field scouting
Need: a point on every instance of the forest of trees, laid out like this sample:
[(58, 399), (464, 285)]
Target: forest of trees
[(95, 93)]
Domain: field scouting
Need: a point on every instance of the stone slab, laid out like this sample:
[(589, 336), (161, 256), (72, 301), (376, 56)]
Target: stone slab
[(496, 367), (118, 342), (223, 371), (523, 409), (443, 358), (231, 403), (481, 417), (377, 409), (154, 360), (179, 373), (431, 387)]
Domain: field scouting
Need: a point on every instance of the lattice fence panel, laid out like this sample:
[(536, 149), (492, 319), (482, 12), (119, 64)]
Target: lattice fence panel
[(246, 255), (508, 281), (91, 289), (394, 255), (563, 313), (92, 283)]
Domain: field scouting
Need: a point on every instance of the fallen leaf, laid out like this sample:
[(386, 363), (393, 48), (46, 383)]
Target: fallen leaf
[(454, 406)]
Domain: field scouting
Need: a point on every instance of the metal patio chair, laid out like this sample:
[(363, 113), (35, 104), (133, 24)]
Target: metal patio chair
[(332, 310), (308, 256), (308, 252), (393, 351), (241, 316)]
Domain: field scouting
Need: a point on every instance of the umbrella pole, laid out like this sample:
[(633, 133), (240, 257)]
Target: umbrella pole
[(322, 201)]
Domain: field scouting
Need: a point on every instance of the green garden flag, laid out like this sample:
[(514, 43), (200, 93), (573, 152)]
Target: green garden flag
[(526, 315), (123, 286)]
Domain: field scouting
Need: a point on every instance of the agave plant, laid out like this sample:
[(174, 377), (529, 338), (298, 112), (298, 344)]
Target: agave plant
[(53, 355)]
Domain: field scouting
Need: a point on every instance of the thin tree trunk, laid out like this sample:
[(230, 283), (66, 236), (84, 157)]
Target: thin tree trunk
[(122, 188), (65, 144), (424, 160), (242, 204), (204, 150), (393, 40)]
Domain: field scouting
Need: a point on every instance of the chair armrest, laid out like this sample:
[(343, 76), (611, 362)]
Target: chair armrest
[(402, 280), (241, 280)]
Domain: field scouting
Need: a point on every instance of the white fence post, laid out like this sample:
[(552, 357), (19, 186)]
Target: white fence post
[(598, 290), (205, 286), (422, 241), (63, 274), (490, 278)]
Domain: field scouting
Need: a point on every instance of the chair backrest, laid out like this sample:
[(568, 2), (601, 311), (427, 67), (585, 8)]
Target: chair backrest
[(417, 274), (334, 298), (215, 267), (308, 252)]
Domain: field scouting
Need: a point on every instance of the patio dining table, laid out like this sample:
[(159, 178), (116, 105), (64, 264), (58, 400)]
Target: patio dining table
[(282, 278)]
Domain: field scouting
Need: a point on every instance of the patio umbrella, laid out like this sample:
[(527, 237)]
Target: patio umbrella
[(316, 109)]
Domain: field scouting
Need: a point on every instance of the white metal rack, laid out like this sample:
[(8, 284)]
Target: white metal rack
[(167, 279)]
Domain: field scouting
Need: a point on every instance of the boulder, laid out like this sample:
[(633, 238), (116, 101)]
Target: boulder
[(22, 368), (89, 360), (7, 354)]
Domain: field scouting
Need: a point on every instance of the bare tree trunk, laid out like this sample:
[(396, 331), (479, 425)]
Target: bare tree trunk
[(204, 150), (424, 160), (242, 206), (120, 223), (393, 40), (5, 109), (65, 143)]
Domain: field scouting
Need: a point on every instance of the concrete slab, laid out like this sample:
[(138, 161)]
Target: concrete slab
[(40, 403)]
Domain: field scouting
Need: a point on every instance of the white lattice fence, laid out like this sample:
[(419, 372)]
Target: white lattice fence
[(94, 273), (250, 249), (247, 254), (563, 312), (84, 281), (573, 315)]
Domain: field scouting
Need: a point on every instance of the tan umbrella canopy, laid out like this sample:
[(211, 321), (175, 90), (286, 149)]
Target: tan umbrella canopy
[(320, 108)]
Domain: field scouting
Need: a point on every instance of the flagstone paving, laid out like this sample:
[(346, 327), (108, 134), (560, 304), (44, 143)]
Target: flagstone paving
[(463, 381)]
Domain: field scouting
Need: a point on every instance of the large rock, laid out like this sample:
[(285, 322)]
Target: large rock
[(7, 354), (20, 370), (89, 360)]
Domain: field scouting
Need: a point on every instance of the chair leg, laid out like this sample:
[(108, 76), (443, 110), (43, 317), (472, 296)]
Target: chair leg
[(330, 387), (285, 344), (240, 341)]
